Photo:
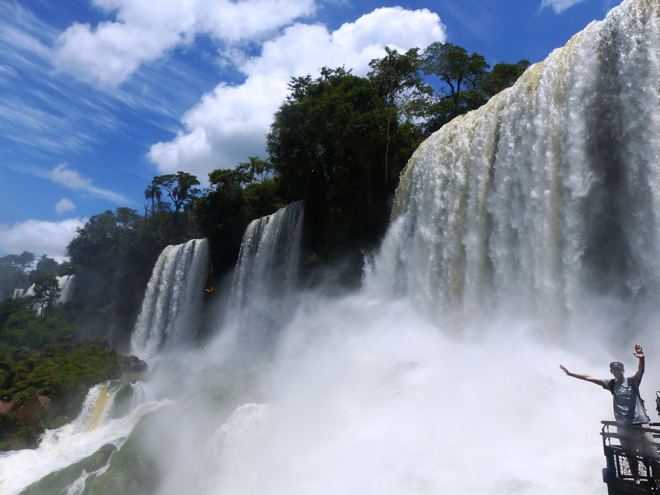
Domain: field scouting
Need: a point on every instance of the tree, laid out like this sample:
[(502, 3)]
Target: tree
[(328, 144), (398, 79), (257, 169), (503, 76), (46, 291), (153, 193), (12, 272), (179, 188), (466, 83), (461, 75)]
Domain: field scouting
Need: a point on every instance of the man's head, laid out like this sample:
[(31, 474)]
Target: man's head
[(617, 369)]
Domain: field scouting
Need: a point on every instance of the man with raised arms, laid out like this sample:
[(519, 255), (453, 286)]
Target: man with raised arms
[(629, 412)]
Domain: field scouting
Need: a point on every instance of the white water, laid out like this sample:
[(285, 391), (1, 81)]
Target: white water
[(265, 281), (549, 195), (172, 308), (79, 439)]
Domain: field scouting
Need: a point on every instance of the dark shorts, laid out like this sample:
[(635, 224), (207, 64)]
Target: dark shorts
[(637, 442)]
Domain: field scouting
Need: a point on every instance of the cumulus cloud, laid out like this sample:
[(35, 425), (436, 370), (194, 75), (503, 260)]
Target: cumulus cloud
[(40, 237), (230, 123), (64, 205), (145, 30), (559, 5), (70, 178)]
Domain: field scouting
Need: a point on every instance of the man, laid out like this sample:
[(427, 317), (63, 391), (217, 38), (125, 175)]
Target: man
[(629, 412)]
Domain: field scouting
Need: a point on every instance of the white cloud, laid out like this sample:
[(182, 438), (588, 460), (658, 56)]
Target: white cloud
[(145, 30), (230, 123), (64, 205), (40, 237), (73, 180), (559, 5)]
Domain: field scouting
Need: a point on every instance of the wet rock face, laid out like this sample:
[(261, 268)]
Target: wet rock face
[(36, 409)]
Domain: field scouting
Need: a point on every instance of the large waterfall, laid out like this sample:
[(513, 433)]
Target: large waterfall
[(548, 195), (172, 308)]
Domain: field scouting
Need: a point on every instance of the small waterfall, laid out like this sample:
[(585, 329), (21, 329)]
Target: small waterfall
[(17, 293), (92, 429), (547, 196), (66, 284), (172, 308), (266, 275)]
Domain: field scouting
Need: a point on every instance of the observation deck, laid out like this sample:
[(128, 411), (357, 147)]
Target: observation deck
[(617, 474)]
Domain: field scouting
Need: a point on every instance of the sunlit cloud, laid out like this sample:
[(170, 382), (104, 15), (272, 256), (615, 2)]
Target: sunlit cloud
[(73, 180), (70, 178), (559, 5), (64, 205), (40, 237), (231, 122), (145, 31)]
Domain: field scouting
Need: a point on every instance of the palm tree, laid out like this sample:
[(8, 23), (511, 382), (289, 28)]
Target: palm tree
[(153, 193)]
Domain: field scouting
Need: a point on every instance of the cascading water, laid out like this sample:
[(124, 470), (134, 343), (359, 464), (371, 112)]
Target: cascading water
[(172, 308), (94, 427), (262, 293), (548, 195)]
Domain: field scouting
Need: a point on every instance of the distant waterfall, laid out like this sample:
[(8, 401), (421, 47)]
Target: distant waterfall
[(550, 193), (172, 307), (65, 283), (267, 273)]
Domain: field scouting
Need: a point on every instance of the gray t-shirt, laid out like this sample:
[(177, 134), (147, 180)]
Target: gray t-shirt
[(628, 407)]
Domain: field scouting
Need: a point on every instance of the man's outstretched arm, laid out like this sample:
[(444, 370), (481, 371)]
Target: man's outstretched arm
[(586, 378), (639, 353)]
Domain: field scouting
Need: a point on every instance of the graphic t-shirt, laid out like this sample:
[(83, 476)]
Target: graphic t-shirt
[(628, 407)]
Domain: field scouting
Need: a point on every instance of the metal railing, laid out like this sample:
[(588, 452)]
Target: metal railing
[(617, 475)]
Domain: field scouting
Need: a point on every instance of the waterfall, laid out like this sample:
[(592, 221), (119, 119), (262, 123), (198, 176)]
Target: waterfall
[(262, 293), (66, 284), (92, 429), (172, 307), (547, 195)]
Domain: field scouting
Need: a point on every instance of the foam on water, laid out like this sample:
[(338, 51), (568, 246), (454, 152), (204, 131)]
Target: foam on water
[(73, 442)]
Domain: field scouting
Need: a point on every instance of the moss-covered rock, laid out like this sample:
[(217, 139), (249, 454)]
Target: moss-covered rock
[(132, 470), (122, 403), (57, 483)]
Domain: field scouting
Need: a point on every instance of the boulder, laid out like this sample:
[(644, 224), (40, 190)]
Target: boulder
[(34, 410), (6, 407)]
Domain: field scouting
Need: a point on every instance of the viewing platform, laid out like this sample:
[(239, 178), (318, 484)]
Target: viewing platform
[(617, 474)]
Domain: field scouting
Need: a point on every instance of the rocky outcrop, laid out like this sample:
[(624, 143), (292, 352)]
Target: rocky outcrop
[(36, 409), (6, 407)]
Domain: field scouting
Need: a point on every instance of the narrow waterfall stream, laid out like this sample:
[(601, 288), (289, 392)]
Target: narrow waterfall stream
[(172, 306)]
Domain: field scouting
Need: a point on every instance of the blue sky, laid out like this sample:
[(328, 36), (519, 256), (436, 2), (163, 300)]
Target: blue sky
[(98, 96)]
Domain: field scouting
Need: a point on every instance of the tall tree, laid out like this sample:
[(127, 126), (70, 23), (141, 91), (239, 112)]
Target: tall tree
[(46, 291), (179, 187), (153, 192), (461, 76), (328, 145), (397, 77)]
